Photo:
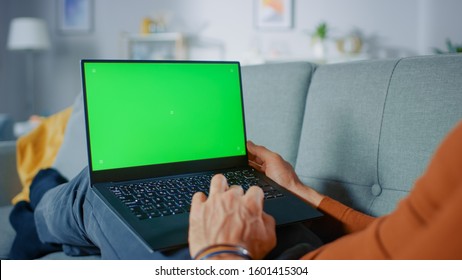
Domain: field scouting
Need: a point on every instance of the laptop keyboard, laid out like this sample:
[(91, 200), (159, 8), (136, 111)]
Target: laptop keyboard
[(157, 198)]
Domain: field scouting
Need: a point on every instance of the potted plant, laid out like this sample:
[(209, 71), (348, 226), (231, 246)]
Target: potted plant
[(318, 40), (451, 48)]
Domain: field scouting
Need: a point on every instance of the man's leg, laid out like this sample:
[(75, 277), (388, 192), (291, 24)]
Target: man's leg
[(72, 214), (26, 243)]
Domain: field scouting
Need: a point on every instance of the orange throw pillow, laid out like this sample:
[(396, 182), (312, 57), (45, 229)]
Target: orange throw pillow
[(37, 150)]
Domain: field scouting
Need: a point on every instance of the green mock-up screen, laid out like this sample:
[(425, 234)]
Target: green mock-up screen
[(144, 113)]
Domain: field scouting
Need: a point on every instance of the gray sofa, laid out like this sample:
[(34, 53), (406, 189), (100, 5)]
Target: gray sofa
[(360, 132)]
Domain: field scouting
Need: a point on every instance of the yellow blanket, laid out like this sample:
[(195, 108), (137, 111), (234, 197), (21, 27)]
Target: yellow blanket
[(38, 149)]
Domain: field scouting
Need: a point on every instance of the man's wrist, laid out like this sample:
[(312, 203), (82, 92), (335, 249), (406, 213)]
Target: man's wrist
[(308, 194)]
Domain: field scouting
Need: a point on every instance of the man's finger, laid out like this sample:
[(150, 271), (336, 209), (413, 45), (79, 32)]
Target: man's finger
[(255, 165), (255, 193), (257, 153), (197, 199), (269, 221), (238, 189), (218, 184), (254, 199)]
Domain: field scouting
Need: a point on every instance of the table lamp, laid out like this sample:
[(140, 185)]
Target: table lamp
[(29, 35)]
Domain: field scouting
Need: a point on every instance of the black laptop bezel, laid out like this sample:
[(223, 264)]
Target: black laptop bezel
[(157, 170)]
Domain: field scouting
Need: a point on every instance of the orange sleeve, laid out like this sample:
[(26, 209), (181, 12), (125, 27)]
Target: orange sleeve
[(350, 219), (426, 223)]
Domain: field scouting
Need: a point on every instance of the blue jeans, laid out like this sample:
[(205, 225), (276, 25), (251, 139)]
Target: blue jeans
[(73, 215)]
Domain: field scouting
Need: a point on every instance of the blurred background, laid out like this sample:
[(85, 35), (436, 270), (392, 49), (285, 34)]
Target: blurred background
[(42, 75)]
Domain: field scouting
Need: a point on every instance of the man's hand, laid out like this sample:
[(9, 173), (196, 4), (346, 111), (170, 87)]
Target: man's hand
[(280, 171), (273, 165), (228, 216)]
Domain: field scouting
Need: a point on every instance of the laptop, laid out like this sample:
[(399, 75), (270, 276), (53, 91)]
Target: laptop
[(157, 131)]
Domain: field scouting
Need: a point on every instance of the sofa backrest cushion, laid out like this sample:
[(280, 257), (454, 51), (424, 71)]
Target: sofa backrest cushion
[(371, 127), (424, 103), (6, 128), (10, 185), (274, 102), (72, 156)]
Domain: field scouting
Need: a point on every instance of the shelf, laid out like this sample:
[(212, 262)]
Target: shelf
[(155, 46), (327, 60)]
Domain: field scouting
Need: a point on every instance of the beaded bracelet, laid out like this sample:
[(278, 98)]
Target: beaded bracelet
[(220, 249)]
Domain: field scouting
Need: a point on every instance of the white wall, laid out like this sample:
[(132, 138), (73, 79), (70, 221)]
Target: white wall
[(440, 20), (391, 28)]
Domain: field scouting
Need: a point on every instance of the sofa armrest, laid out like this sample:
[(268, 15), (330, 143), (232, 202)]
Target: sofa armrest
[(10, 184)]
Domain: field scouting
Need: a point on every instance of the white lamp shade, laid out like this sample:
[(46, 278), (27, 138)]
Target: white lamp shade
[(28, 34)]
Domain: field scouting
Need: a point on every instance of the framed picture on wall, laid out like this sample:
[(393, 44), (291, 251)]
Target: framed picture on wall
[(273, 14), (75, 16)]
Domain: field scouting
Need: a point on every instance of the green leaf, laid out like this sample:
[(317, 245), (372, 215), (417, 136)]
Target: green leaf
[(321, 31), (451, 48)]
